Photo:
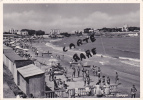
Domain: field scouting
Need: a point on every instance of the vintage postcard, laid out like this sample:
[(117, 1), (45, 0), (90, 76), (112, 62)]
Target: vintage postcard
[(71, 50)]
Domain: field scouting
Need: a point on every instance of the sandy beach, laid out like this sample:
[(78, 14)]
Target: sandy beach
[(129, 73)]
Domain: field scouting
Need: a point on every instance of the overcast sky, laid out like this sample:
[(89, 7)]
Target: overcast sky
[(69, 17)]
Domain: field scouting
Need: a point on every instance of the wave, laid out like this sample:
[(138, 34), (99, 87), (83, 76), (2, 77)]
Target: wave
[(126, 50), (126, 60)]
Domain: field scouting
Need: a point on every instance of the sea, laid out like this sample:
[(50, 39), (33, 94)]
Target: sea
[(127, 49), (119, 47)]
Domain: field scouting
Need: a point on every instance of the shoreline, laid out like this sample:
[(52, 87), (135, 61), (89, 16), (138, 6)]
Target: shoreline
[(124, 59)]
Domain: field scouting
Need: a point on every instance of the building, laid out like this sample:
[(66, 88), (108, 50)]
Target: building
[(125, 28), (12, 31), (133, 35), (22, 32), (89, 30), (40, 32), (31, 80), (6, 50), (13, 61)]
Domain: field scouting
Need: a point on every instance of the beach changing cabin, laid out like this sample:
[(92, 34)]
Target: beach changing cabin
[(31, 80), (6, 50), (13, 61), (28, 77)]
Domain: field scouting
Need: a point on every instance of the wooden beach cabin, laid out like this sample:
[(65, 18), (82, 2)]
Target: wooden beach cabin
[(11, 57), (31, 80), (13, 61), (6, 50)]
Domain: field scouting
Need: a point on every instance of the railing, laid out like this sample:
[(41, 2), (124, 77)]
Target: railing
[(72, 93), (56, 94), (114, 89), (82, 92)]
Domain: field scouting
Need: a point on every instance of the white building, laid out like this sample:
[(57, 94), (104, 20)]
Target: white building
[(133, 35), (13, 31), (22, 32), (125, 28)]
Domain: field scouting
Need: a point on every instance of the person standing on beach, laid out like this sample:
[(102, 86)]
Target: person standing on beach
[(94, 70), (83, 72), (103, 80), (108, 80), (84, 79), (133, 91), (73, 74), (63, 57), (99, 72), (50, 75), (37, 52), (99, 80), (65, 71), (117, 79), (55, 84), (88, 77), (78, 71)]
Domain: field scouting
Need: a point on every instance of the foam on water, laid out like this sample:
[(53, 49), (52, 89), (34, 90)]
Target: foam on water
[(129, 61)]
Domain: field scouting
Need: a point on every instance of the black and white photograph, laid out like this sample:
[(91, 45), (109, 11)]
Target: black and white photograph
[(71, 50)]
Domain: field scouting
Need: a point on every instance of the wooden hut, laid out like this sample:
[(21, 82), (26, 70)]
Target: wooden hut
[(6, 50), (13, 61), (31, 80)]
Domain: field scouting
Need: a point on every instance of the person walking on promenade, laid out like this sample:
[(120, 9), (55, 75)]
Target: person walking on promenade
[(78, 71), (133, 91)]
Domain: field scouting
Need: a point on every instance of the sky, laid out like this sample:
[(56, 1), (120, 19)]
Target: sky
[(69, 17)]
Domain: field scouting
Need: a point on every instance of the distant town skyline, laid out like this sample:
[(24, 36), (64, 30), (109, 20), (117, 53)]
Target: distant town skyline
[(69, 17)]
